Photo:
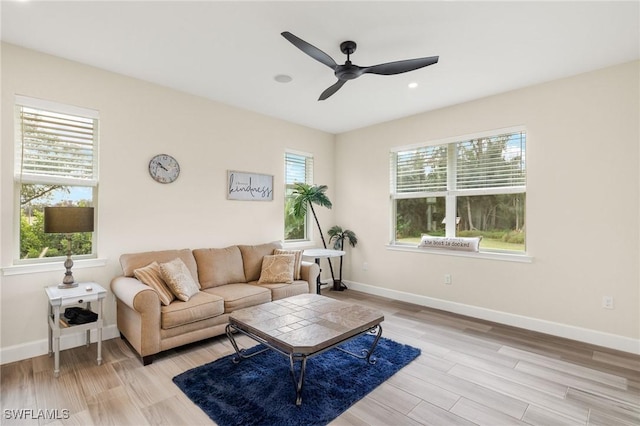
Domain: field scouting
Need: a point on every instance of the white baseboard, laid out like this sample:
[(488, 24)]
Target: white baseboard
[(41, 347), (612, 341), (594, 337)]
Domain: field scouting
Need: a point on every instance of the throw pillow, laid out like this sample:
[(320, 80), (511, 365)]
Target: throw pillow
[(151, 276), (297, 260), (277, 268), (252, 258), (179, 279)]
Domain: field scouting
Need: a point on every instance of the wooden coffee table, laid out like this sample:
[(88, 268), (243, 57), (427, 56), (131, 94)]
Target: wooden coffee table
[(303, 326)]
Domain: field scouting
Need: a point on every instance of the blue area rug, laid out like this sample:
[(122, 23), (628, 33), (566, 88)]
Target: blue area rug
[(260, 390)]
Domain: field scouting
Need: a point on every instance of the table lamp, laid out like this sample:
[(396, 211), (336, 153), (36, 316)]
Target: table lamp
[(68, 220)]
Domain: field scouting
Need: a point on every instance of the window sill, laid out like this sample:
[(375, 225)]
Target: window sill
[(298, 245), (508, 257), (33, 268)]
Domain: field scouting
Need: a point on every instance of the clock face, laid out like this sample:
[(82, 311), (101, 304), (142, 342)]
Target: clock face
[(164, 168)]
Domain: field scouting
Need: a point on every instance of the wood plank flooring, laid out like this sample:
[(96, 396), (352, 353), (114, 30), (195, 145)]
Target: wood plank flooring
[(471, 372)]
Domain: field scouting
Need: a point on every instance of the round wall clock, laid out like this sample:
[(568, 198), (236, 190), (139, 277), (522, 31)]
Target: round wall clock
[(164, 168)]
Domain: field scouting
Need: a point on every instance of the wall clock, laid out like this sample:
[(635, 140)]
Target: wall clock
[(164, 168)]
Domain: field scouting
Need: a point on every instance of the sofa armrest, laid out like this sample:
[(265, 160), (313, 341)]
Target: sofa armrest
[(309, 271), (138, 314), (136, 295)]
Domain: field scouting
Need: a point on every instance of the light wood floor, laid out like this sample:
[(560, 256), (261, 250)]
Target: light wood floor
[(470, 372)]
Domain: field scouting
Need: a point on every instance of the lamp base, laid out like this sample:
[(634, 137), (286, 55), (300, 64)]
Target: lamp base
[(68, 281), (63, 285)]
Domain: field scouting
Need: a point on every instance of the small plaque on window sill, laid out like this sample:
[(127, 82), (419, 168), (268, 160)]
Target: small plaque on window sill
[(451, 243)]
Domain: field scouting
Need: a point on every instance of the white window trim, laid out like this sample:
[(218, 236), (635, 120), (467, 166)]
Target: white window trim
[(57, 107), (490, 255), (56, 266), (459, 138), (309, 241), (23, 266), (514, 256), (299, 244)]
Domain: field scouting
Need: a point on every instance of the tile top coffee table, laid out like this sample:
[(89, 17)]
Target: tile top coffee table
[(302, 326)]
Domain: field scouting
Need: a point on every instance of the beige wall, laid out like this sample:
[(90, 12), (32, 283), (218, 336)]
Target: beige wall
[(582, 199), (582, 208), (138, 120)]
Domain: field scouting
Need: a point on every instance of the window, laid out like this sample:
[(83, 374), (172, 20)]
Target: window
[(472, 187), (56, 165), (298, 169)]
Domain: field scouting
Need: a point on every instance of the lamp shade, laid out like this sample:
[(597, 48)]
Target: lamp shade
[(68, 220)]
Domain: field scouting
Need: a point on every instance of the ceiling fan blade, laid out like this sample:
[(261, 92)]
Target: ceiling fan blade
[(399, 67), (331, 90), (310, 50)]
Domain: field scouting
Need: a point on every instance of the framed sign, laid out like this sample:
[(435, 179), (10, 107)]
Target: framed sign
[(249, 186)]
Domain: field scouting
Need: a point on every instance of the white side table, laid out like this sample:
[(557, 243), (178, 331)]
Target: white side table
[(62, 297), (322, 254)]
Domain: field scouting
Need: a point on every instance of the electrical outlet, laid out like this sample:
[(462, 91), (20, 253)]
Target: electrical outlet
[(447, 278), (365, 266), (607, 302)]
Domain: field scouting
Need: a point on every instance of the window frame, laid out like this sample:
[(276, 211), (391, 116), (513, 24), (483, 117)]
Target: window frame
[(21, 178), (451, 194), (308, 176)]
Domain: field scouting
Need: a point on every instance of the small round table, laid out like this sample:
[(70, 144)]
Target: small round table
[(318, 254)]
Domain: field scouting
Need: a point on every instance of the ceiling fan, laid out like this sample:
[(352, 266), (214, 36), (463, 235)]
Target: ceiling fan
[(349, 71)]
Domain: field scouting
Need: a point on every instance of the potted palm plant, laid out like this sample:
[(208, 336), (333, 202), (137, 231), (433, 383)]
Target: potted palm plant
[(338, 236), (305, 196)]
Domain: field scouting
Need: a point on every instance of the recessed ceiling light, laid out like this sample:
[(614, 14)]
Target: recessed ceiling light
[(283, 78), (413, 85)]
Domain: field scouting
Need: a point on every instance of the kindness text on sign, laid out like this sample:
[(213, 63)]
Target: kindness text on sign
[(249, 186)]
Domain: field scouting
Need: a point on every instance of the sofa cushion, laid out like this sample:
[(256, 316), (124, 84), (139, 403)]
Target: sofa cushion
[(277, 268), (151, 276), (297, 263), (219, 266), (283, 290), (252, 258), (132, 261), (240, 295), (199, 307), (176, 274)]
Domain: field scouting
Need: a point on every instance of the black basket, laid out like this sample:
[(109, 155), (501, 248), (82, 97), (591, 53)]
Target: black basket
[(78, 315)]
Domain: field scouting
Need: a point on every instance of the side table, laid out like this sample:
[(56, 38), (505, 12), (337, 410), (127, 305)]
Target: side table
[(62, 297), (322, 254)]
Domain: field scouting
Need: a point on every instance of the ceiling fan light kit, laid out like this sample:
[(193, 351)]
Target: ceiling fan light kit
[(349, 71)]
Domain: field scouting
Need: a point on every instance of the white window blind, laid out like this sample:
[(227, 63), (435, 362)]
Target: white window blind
[(298, 168), (487, 162), (56, 147), (492, 162), (421, 169)]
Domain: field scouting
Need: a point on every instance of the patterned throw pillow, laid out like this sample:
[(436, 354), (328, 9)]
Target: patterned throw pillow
[(151, 276), (179, 279), (297, 260), (277, 268)]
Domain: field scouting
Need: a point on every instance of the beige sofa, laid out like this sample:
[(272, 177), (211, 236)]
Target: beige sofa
[(228, 279)]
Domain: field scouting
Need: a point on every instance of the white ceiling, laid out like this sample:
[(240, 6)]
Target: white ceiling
[(231, 51)]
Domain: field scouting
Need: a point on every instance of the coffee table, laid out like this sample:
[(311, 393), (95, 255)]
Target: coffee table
[(300, 327)]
